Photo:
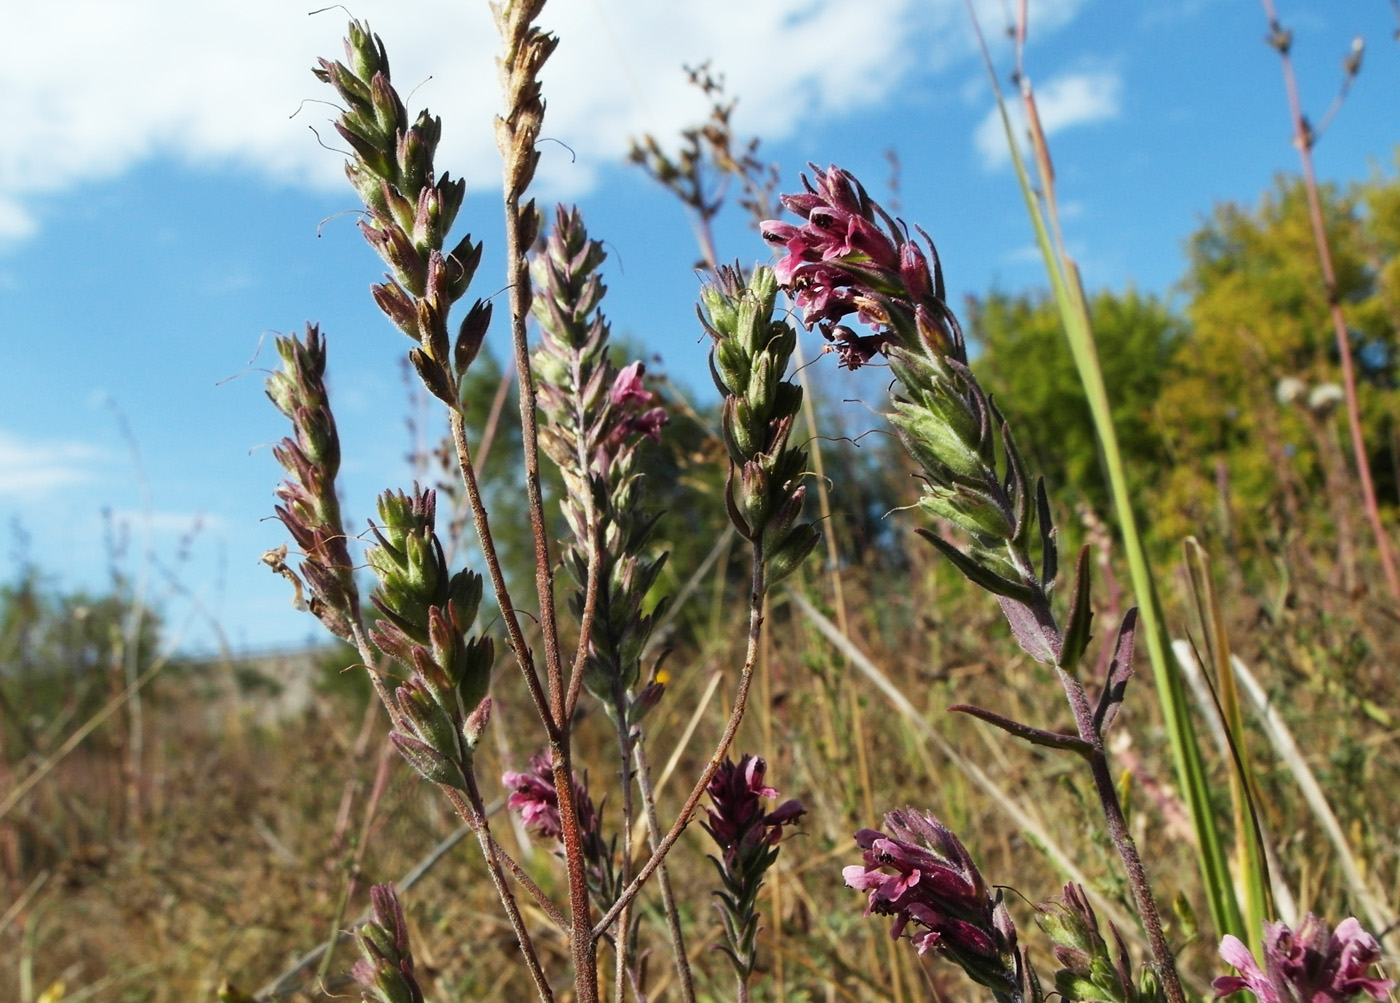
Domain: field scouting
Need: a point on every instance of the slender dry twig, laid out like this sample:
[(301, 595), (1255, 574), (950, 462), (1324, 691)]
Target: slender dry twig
[(663, 874), (622, 938), (474, 815), (1303, 139), (462, 504), (526, 48), (758, 591)]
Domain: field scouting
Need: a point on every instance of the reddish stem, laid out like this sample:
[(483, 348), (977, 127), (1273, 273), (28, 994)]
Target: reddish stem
[(1329, 277)]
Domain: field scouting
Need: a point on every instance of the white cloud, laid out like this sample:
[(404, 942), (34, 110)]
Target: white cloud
[(1068, 100), (90, 88), (16, 222), (168, 523), (30, 469)]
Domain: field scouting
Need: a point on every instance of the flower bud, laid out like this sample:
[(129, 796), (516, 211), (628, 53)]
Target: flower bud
[(791, 553), (395, 303), (763, 381), (754, 491), (470, 336), (462, 262), (434, 375), (730, 364), (475, 724), (433, 765), (476, 672), (647, 698), (429, 721)]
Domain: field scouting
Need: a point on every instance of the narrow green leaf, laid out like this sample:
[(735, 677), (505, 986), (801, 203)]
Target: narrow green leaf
[(1077, 634)]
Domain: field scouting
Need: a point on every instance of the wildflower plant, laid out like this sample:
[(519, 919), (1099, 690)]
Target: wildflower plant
[(534, 798), (1089, 969), (385, 970), (922, 875), (589, 417), (848, 257), (749, 357), (596, 418), (747, 837), (310, 509), (424, 614)]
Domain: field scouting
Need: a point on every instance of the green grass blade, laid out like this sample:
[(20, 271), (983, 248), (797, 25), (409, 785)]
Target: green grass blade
[(1251, 863)]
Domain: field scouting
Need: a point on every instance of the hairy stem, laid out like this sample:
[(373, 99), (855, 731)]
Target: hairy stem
[(357, 633), (528, 883), (624, 743), (731, 728), (1097, 756), (595, 554), (1123, 839), (583, 939), (514, 634), (517, 145), (663, 875), (585, 624), (483, 455), (474, 815)]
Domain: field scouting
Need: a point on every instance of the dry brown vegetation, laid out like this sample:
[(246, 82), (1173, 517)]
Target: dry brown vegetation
[(230, 866)]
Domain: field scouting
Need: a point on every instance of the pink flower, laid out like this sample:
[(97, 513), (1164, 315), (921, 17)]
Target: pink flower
[(627, 389), (850, 256), (650, 422), (923, 876), (630, 397), (1312, 965), (748, 839), (737, 821), (535, 797)]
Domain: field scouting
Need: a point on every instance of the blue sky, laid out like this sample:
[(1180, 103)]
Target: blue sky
[(165, 207)]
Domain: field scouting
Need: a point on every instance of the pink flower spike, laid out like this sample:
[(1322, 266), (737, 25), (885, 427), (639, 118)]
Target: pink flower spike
[(921, 875)]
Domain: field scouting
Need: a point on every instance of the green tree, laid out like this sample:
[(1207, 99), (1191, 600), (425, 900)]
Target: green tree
[(60, 653), (1026, 363), (1380, 201), (1252, 424)]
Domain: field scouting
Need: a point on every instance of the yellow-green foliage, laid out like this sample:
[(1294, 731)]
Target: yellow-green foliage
[(1381, 200), (1195, 393), (1259, 314), (1026, 363)]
